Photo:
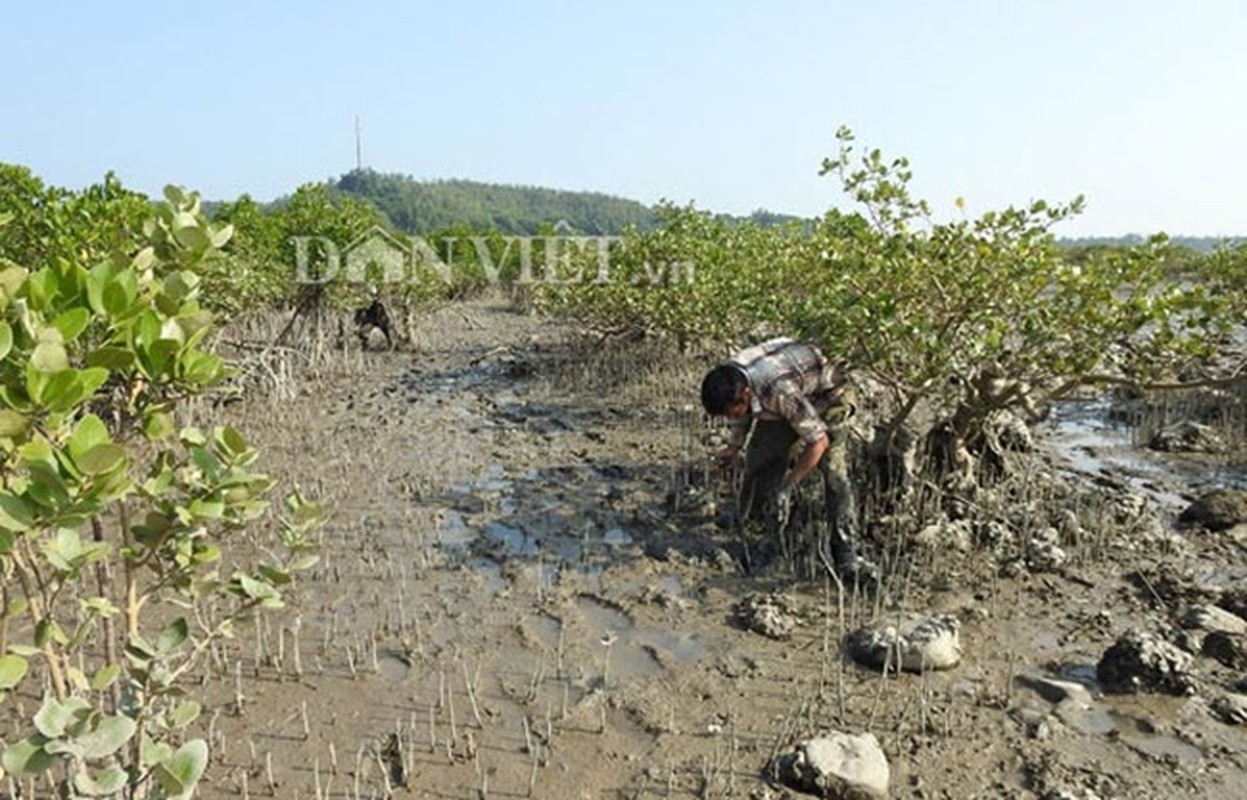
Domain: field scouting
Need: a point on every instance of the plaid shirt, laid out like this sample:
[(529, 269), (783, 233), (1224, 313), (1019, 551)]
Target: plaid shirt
[(790, 380)]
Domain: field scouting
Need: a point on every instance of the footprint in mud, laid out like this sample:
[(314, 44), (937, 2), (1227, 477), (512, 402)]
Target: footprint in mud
[(636, 652), (623, 651)]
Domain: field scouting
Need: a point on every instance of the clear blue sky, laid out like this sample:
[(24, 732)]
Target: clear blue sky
[(1141, 105)]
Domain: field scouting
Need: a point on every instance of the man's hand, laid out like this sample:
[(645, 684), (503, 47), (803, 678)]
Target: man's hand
[(727, 457)]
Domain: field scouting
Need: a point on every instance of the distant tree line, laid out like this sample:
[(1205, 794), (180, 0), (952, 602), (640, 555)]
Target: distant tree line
[(424, 206), (414, 206), (1199, 244)]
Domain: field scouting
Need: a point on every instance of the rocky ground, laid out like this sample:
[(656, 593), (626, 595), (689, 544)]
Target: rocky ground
[(523, 593)]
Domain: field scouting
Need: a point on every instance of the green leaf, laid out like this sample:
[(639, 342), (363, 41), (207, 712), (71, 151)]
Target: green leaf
[(274, 576), (63, 550), (148, 328), (102, 459), (184, 714), (95, 289), (89, 433), (184, 219), (76, 679), (49, 357), (179, 773), (192, 436), (107, 783), (170, 329), (72, 323), (192, 237), (152, 752), (11, 423), (118, 293), (48, 631), (256, 590), (105, 677), (202, 367), (172, 636), (12, 670), (92, 379), (231, 440), (47, 487), (305, 562), (206, 509), (144, 259), (59, 390), (158, 357), (27, 758), (41, 288), (55, 719), (221, 236), (14, 514), (176, 287), (12, 278), (37, 452), (6, 339), (108, 737), (99, 605), (140, 648), (116, 359), (158, 425)]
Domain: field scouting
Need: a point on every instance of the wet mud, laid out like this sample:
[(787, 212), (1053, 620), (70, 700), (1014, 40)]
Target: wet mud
[(523, 593)]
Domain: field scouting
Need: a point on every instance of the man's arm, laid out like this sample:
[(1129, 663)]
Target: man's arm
[(809, 427), (809, 459)]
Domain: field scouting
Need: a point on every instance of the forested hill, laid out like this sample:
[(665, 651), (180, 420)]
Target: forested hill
[(421, 206)]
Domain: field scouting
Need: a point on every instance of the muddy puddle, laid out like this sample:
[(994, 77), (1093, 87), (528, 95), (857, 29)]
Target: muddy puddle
[(495, 518), (1089, 439)]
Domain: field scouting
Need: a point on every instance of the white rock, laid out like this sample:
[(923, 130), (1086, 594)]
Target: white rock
[(838, 765), (1043, 554), (957, 537), (772, 615), (1213, 618), (1058, 691), (1231, 709), (933, 643)]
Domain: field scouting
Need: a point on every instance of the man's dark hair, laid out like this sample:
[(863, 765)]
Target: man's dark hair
[(721, 388)]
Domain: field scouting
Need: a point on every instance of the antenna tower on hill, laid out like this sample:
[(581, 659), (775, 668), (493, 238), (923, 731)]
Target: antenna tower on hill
[(359, 148)]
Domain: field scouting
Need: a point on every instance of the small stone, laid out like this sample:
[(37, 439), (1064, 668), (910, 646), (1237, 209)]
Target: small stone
[(933, 643), (1212, 618), (469, 503), (1187, 437), (1144, 662), (1230, 649), (1034, 723), (837, 765), (772, 615), (1043, 554), (1231, 709), (1057, 691), (1069, 794), (956, 537), (1218, 510), (1127, 507)]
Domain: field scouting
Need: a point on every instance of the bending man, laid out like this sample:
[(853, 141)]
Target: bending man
[(796, 403)]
